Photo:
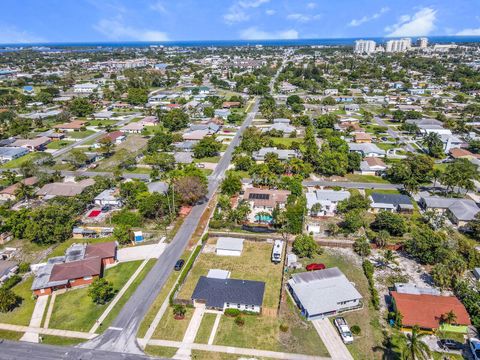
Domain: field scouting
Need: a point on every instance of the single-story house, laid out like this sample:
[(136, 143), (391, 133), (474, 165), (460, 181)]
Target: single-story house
[(36, 144), (265, 199), (390, 202), (8, 268), (426, 310), (372, 166), (458, 153), (459, 211), (367, 150), (74, 125), (362, 138), (133, 128), (231, 104), (196, 135), (222, 294), (116, 137), (282, 154), (328, 199), (158, 186), (149, 121), (229, 246), (323, 293), (286, 128), (64, 189), (81, 264), (10, 153), (9, 192), (222, 113), (109, 197)]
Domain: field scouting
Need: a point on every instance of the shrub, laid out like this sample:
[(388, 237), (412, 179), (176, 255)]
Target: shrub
[(240, 321), (179, 311), (8, 300), (355, 329), (23, 267), (368, 270), (283, 327), (232, 312), (101, 291), (11, 282)]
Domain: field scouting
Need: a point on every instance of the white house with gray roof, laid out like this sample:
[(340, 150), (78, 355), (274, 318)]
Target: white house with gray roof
[(366, 149), (323, 293), (282, 154), (459, 211), (328, 199)]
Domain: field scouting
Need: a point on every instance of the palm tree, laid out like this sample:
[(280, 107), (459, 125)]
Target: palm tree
[(24, 191), (449, 317), (415, 348), (382, 238), (433, 143), (436, 175), (389, 257)]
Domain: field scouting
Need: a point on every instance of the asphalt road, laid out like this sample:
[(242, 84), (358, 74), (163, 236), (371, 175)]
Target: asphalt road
[(122, 335), (395, 134), (10, 350)]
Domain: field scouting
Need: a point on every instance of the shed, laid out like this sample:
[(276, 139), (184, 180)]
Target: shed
[(228, 246)]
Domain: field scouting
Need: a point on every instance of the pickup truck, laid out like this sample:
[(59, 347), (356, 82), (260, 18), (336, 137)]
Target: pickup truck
[(343, 330)]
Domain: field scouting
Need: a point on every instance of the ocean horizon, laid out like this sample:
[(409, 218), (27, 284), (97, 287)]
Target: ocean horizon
[(230, 43)]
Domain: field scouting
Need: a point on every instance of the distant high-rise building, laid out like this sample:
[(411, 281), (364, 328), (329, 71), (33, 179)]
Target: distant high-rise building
[(398, 45), (422, 42), (365, 46)]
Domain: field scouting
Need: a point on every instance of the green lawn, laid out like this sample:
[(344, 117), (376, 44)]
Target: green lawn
[(58, 144), (212, 159), (205, 329), (16, 163), (366, 178), (381, 191), (22, 314), (148, 318), (210, 355), (131, 289), (160, 351), (10, 335), (75, 310), (386, 146), (100, 122), (60, 341), (80, 134), (368, 319), (285, 141), (171, 329), (60, 249), (241, 267)]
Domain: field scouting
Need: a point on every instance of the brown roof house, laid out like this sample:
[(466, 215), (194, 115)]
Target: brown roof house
[(74, 125), (36, 144), (81, 264), (264, 200), (68, 189), (9, 192)]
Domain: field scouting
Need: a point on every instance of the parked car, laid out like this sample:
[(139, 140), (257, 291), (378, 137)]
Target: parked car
[(106, 208), (475, 347), (450, 344), (343, 330), (179, 264), (315, 266)]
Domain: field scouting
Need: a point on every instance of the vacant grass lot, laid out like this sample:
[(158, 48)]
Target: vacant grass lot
[(366, 178), (58, 144), (75, 310), (171, 329), (79, 134), (285, 141), (254, 264), (133, 145), (205, 328), (22, 314), (210, 355), (16, 163), (367, 318)]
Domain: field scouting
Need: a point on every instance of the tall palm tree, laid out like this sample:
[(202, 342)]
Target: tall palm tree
[(24, 191), (449, 317), (415, 348)]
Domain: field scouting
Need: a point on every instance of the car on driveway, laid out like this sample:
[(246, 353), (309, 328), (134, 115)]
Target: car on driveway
[(315, 266), (448, 344), (475, 347), (343, 330), (179, 264)]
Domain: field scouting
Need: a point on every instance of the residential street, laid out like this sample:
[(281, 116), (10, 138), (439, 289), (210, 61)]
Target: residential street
[(395, 134)]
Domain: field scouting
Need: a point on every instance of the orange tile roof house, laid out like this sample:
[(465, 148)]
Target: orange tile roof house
[(9, 192), (458, 153), (231, 104), (265, 199), (362, 137), (426, 310), (81, 264), (74, 125)]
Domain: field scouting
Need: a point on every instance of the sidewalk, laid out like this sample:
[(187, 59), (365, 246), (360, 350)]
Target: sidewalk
[(54, 332), (36, 320), (335, 346), (237, 351), (185, 351)]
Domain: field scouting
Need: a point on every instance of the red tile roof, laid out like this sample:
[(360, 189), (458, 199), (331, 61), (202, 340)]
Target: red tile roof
[(426, 310), (114, 135), (101, 250), (76, 269)]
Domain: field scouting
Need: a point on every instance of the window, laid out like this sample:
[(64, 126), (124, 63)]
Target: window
[(228, 304), (238, 306)]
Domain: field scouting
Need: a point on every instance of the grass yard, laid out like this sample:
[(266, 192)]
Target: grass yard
[(368, 319), (171, 329), (21, 315), (55, 145), (16, 163), (210, 355), (211, 159), (148, 318), (133, 145), (242, 267), (285, 141), (79, 134), (366, 178), (205, 329), (131, 289), (161, 351), (75, 310), (386, 146), (10, 335), (60, 249), (101, 122), (60, 341), (381, 191)]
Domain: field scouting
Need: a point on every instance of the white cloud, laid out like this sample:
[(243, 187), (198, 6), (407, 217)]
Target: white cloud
[(311, 5), (13, 35), (238, 12), (159, 7), (418, 24), (469, 32), (116, 29), (254, 33), (363, 20), (303, 17), (270, 12)]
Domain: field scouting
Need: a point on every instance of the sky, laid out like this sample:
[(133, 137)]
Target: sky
[(35, 21)]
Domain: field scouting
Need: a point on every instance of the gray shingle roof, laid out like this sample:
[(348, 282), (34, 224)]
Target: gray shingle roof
[(217, 292), (394, 199)]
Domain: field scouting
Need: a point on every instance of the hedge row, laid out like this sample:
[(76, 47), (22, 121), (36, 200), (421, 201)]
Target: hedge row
[(368, 269)]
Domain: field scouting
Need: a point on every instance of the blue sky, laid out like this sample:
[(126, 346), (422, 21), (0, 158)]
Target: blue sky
[(159, 20)]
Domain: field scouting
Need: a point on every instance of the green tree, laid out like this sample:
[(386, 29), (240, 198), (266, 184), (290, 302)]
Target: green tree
[(391, 222), (207, 147), (460, 174), (122, 234), (415, 348), (161, 161), (174, 120), (101, 291), (305, 246), (362, 247), (232, 184), (137, 96), (434, 145), (353, 221), (106, 146), (8, 300), (81, 107)]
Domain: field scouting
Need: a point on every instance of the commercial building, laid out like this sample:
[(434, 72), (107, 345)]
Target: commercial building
[(365, 46)]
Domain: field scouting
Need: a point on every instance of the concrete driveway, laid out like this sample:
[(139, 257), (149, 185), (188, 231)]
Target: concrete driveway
[(140, 252), (334, 344)]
